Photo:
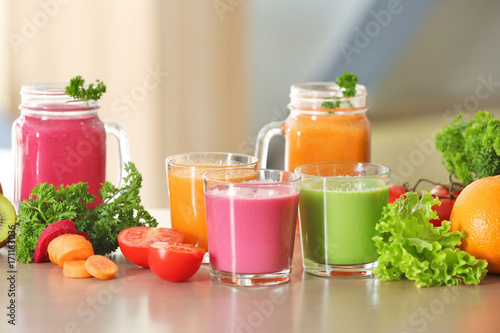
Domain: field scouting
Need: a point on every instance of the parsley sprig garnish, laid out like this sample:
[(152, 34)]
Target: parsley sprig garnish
[(347, 83), (120, 208), (471, 149), (77, 91)]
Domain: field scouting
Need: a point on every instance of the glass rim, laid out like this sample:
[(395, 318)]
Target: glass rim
[(44, 88), (313, 95), (297, 177), (339, 111), (307, 90), (386, 171), (170, 160), (50, 97)]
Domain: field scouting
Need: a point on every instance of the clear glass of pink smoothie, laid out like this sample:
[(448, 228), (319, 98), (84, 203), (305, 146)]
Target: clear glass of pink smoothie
[(251, 225), (61, 141)]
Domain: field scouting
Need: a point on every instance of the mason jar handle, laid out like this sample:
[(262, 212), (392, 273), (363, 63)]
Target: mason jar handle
[(123, 148), (264, 137)]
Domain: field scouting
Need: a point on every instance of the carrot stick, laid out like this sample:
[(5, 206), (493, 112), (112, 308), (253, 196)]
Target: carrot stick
[(75, 269), (101, 267)]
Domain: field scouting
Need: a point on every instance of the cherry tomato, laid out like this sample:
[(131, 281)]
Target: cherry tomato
[(447, 202), (134, 242), (174, 261), (443, 191), (395, 191)]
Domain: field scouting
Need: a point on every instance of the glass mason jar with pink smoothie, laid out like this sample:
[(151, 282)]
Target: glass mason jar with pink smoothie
[(61, 141)]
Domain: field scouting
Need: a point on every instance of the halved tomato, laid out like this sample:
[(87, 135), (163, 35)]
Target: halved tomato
[(173, 261), (134, 242)]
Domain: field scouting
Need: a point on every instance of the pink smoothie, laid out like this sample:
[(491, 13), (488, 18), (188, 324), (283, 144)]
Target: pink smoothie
[(251, 231), (60, 150)]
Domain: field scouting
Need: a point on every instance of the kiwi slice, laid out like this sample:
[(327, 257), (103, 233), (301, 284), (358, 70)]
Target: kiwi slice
[(7, 220)]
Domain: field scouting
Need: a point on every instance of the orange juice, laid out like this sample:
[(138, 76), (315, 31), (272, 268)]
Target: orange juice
[(187, 205), (185, 185), (323, 126), (313, 137)]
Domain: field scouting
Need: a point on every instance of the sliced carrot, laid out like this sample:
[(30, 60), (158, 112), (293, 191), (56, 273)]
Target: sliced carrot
[(78, 250), (69, 247), (75, 269), (52, 260), (57, 244), (101, 267)]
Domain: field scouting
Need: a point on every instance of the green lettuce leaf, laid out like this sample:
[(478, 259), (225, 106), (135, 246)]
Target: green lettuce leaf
[(409, 245)]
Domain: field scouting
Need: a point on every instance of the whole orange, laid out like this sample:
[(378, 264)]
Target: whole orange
[(477, 211)]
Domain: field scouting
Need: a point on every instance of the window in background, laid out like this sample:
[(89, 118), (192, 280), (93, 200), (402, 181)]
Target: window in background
[(422, 62), (174, 70)]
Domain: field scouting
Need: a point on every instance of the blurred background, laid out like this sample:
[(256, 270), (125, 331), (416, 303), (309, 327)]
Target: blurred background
[(223, 68)]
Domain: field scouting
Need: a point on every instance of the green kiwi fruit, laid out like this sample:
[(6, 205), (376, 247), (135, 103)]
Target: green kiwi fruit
[(7, 220)]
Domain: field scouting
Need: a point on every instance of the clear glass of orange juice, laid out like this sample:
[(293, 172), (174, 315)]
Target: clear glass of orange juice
[(185, 187)]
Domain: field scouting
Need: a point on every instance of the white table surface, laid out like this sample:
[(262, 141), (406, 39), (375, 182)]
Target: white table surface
[(137, 301)]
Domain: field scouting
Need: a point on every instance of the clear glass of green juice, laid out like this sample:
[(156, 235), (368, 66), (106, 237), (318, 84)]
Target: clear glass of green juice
[(339, 205)]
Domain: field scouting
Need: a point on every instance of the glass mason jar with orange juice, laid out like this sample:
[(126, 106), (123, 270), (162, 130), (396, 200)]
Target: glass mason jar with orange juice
[(323, 126)]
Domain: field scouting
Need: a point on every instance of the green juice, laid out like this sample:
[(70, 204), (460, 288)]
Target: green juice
[(337, 225)]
